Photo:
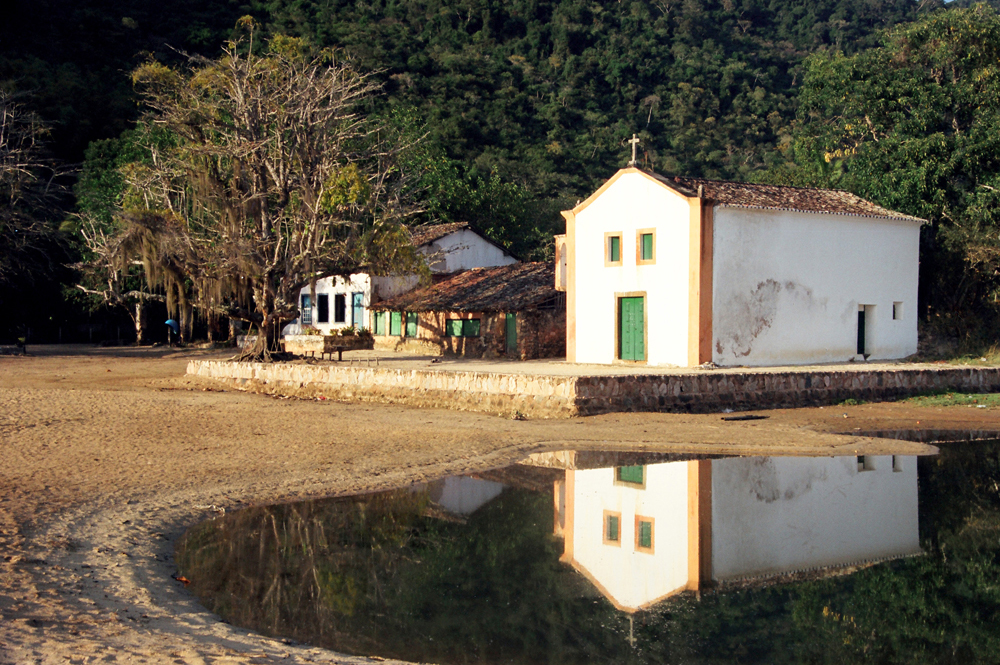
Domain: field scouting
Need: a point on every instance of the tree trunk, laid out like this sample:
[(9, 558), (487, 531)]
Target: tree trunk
[(141, 322)]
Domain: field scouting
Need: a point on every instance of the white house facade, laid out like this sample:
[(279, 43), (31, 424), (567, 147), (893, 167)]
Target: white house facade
[(682, 271), (643, 533), (344, 302)]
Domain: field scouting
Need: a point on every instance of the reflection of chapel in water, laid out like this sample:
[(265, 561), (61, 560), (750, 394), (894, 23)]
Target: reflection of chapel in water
[(643, 532)]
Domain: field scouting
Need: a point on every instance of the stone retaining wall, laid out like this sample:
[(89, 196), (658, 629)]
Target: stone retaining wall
[(547, 396)]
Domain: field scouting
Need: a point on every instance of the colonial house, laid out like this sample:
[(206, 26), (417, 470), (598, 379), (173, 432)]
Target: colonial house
[(345, 302), (641, 533), (685, 271), (511, 310)]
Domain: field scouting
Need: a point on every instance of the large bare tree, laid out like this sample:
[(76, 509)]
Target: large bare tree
[(29, 195), (275, 179)]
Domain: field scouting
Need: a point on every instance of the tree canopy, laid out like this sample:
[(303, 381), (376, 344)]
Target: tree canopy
[(911, 124), (271, 180)]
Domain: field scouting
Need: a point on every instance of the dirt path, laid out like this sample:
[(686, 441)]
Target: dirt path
[(106, 456)]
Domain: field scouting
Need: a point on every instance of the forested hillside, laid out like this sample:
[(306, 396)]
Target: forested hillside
[(526, 105)]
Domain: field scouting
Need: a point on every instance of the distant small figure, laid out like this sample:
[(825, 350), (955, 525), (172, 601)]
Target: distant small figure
[(172, 327)]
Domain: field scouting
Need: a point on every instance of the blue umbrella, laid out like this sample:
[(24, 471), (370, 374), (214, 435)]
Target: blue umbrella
[(175, 326)]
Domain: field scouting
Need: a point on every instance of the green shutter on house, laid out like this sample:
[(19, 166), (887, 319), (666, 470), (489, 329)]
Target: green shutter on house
[(614, 249), (511, 334), (631, 474), (647, 246), (379, 323), (453, 328), (631, 329), (612, 533), (645, 534), (411, 324), (470, 328), (395, 323)]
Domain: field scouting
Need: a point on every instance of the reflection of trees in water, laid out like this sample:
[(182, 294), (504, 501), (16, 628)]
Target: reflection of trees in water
[(380, 575)]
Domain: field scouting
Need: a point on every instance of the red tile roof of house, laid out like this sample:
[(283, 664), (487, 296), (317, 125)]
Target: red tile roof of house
[(425, 235), (776, 197), (510, 288)]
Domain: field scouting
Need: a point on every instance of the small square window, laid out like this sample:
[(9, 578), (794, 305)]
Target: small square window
[(644, 534), (631, 475), (612, 249), (866, 463), (897, 464), (897, 311), (645, 247), (612, 528)]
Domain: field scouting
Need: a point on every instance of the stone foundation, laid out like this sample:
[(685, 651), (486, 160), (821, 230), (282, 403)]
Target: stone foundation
[(548, 396)]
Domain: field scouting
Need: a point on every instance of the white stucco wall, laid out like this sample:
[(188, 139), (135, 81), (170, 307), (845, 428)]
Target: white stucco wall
[(787, 286), (778, 514), (463, 495), (631, 203), (630, 577), (357, 283), (463, 250)]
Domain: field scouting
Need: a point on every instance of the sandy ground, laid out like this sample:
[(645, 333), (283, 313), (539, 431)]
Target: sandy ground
[(107, 455)]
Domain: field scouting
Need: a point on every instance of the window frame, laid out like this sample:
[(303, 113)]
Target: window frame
[(604, 529), (322, 308), (465, 326), (305, 311), (639, 261), (639, 519), (608, 262), (630, 483), (340, 308)]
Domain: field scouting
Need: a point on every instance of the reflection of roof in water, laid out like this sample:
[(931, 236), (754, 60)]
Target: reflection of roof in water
[(604, 459), (538, 479)]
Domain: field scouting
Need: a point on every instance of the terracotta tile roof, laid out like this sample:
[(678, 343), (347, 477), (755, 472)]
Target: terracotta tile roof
[(510, 288), (775, 197), (425, 235)]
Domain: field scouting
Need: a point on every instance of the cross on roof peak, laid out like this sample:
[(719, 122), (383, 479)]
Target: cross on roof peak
[(635, 143)]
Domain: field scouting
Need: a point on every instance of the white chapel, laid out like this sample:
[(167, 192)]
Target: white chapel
[(685, 271)]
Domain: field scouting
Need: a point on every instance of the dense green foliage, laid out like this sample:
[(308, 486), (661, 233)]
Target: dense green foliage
[(912, 125)]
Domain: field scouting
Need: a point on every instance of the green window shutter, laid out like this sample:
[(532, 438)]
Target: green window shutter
[(631, 474), (379, 323), (470, 328), (411, 324), (395, 323), (645, 534), (647, 246), (511, 333), (612, 533), (453, 328), (614, 249)]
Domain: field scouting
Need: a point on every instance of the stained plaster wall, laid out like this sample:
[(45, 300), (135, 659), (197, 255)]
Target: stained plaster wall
[(779, 514), (787, 287), (463, 250), (632, 578), (631, 203)]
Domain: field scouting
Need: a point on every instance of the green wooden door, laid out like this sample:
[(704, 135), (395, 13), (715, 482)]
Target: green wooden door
[(631, 329), (395, 323), (411, 324), (511, 334)]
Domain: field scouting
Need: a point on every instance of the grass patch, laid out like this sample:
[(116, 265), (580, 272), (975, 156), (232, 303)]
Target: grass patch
[(987, 400)]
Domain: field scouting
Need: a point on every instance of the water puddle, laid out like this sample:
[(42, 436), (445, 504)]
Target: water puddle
[(589, 556)]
